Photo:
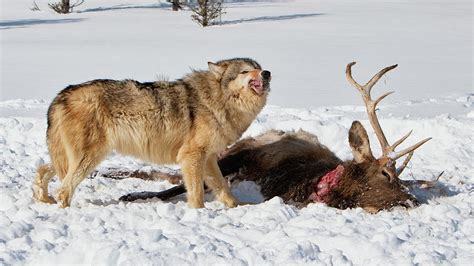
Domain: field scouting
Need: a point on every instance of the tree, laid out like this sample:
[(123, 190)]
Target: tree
[(35, 7), (206, 11), (64, 6), (176, 5)]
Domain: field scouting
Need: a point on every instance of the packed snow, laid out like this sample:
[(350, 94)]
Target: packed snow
[(306, 45)]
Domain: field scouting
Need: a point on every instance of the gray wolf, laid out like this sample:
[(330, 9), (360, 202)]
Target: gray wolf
[(188, 121)]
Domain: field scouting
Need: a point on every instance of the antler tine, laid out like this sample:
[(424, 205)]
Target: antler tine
[(404, 164), (398, 142), (382, 97), (377, 76), (370, 104), (410, 149), (350, 78)]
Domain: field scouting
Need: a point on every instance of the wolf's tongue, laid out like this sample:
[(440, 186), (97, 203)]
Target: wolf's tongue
[(257, 86)]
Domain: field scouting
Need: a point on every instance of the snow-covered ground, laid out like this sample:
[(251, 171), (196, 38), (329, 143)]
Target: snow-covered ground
[(306, 45)]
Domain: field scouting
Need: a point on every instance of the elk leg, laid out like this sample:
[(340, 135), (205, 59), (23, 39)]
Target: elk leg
[(162, 195)]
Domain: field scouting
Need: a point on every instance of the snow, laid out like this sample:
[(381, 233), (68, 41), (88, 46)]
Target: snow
[(306, 45)]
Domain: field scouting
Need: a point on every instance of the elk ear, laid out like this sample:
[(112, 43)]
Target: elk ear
[(359, 142), (216, 70)]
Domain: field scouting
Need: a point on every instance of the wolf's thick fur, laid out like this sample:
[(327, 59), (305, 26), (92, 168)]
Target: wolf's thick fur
[(187, 121)]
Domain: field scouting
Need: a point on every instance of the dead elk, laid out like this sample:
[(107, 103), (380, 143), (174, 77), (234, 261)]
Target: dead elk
[(298, 168)]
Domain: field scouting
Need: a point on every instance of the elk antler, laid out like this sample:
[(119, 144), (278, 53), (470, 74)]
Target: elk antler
[(370, 105)]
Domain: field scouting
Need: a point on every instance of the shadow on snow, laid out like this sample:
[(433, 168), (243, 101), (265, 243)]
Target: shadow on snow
[(269, 18), (21, 23), (122, 7)]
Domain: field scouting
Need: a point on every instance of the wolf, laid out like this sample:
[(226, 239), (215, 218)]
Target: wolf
[(188, 121)]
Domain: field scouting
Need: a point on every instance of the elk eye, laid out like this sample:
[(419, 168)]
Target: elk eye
[(244, 72), (384, 173)]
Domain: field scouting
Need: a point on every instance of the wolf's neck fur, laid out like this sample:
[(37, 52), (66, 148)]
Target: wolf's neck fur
[(243, 109), (240, 109)]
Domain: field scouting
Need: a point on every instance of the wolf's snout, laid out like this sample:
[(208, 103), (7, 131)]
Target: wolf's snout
[(266, 74)]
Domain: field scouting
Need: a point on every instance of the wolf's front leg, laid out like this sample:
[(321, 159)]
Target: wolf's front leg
[(192, 166), (218, 183)]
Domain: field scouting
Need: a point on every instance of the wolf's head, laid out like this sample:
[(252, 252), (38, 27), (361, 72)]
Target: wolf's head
[(242, 77)]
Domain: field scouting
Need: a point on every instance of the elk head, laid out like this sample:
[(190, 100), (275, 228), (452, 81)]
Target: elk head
[(368, 182)]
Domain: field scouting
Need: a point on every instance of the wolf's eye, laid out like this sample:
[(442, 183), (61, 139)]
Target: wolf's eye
[(244, 72)]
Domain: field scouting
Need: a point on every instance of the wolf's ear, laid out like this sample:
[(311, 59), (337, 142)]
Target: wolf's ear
[(216, 70), (359, 142)]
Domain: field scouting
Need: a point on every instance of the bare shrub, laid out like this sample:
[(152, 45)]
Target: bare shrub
[(64, 6), (205, 12), (176, 5), (35, 7)]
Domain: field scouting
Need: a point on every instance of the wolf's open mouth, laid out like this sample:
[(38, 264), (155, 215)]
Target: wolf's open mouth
[(257, 86)]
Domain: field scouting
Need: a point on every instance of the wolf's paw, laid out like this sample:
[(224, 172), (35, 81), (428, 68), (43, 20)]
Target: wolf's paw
[(63, 204), (38, 192), (45, 199), (48, 199), (64, 199), (195, 203), (41, 195), (229, 201)]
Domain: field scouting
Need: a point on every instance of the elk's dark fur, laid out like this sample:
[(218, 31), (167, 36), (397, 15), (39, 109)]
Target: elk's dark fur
[(287, 164), (282, 164)]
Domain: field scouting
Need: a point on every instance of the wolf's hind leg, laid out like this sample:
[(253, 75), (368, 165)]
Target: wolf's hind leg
[(44, 173), (218, 183), (74, 176)]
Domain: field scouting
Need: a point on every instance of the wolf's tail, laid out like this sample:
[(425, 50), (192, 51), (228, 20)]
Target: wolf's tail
[(56, 145), (44, 173), (57, 153)]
